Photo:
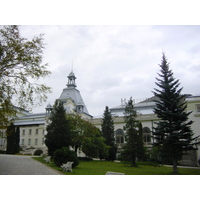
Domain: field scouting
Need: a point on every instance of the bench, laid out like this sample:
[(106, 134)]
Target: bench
[(67, 166), (114, 173), (47, 159)]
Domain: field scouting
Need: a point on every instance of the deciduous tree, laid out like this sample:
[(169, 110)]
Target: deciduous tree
[(20, 69), (86, 137)]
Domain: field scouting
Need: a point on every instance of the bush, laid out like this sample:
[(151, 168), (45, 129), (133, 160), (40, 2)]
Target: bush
[(38, 152), (65, 155), (2, 152)]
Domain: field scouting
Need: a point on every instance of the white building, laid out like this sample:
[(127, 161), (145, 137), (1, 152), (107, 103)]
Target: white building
[(33, 126), (147, 117)]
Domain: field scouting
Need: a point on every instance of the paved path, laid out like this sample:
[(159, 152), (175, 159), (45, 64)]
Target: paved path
[(189, 167), (23, 165)]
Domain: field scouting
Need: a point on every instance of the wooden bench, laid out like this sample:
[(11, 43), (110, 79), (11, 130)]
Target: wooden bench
[(67, 166), (47, 159), (114, 173)]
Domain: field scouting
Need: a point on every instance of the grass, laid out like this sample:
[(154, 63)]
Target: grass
[(101, 167)]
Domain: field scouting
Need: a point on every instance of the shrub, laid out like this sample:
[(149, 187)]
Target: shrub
[(38, 152), (2, 151), (65, 155)]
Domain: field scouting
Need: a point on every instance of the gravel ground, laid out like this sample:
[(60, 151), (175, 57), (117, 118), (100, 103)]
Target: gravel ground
[(23, 165)]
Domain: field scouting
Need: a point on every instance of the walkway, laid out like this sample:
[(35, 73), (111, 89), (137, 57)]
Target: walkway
[(23, 165), (179, 166)]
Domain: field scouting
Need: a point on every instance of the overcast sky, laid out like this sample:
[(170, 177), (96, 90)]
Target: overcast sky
[(115, 62)]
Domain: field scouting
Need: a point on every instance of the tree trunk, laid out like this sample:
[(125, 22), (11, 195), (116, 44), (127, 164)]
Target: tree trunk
[(175, 169)]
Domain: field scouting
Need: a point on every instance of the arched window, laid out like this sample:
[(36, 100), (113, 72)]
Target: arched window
[(119, 136), (146, 135)]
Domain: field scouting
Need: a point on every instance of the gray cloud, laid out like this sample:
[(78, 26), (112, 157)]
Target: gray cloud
[(114, 62)]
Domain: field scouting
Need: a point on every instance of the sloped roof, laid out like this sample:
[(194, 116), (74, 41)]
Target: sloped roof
[(74, 94), (30, 119)]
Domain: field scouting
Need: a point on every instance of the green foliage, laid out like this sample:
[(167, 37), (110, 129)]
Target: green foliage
[(77, 127), (107, 129), (38, 152), (133, 148), (141, 150), (65, 155), (93, 143), (86, 137), (58, 131), (20, 62), (173, 133), (12, 133)]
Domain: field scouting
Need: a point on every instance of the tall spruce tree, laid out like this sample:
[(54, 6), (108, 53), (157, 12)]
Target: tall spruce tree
[(58, 133), (107, 128), (173, 133), (133, 148)]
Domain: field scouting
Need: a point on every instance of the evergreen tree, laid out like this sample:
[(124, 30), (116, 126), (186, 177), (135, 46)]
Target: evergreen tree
[(107, 128), (173, 133), (58, 134), (133, 148), (12, 133), (141, 156)]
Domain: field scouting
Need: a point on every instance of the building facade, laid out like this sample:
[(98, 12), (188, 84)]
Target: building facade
[(147, 117), (33, 126)]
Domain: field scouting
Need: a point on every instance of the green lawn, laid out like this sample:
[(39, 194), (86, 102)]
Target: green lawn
[(101, 167)]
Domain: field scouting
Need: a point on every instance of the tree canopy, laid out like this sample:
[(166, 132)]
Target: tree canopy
[(133, 149), (20, 69), (58, 130), (107, 129), (86, 137), (173, 132)]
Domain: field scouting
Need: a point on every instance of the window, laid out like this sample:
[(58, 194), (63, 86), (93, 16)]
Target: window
[(36, 131), (22, 141), (197, 107), (146, 138), (119, 136), (23, 132), (36, 141), (29, 141), (146, 135), (30, 131)]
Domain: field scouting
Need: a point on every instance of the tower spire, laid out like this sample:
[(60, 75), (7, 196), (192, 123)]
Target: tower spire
[(71, 80)]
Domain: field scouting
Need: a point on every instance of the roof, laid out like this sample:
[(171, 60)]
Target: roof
[(74, 94), (31, 119), (142, 107), (72, 74)]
